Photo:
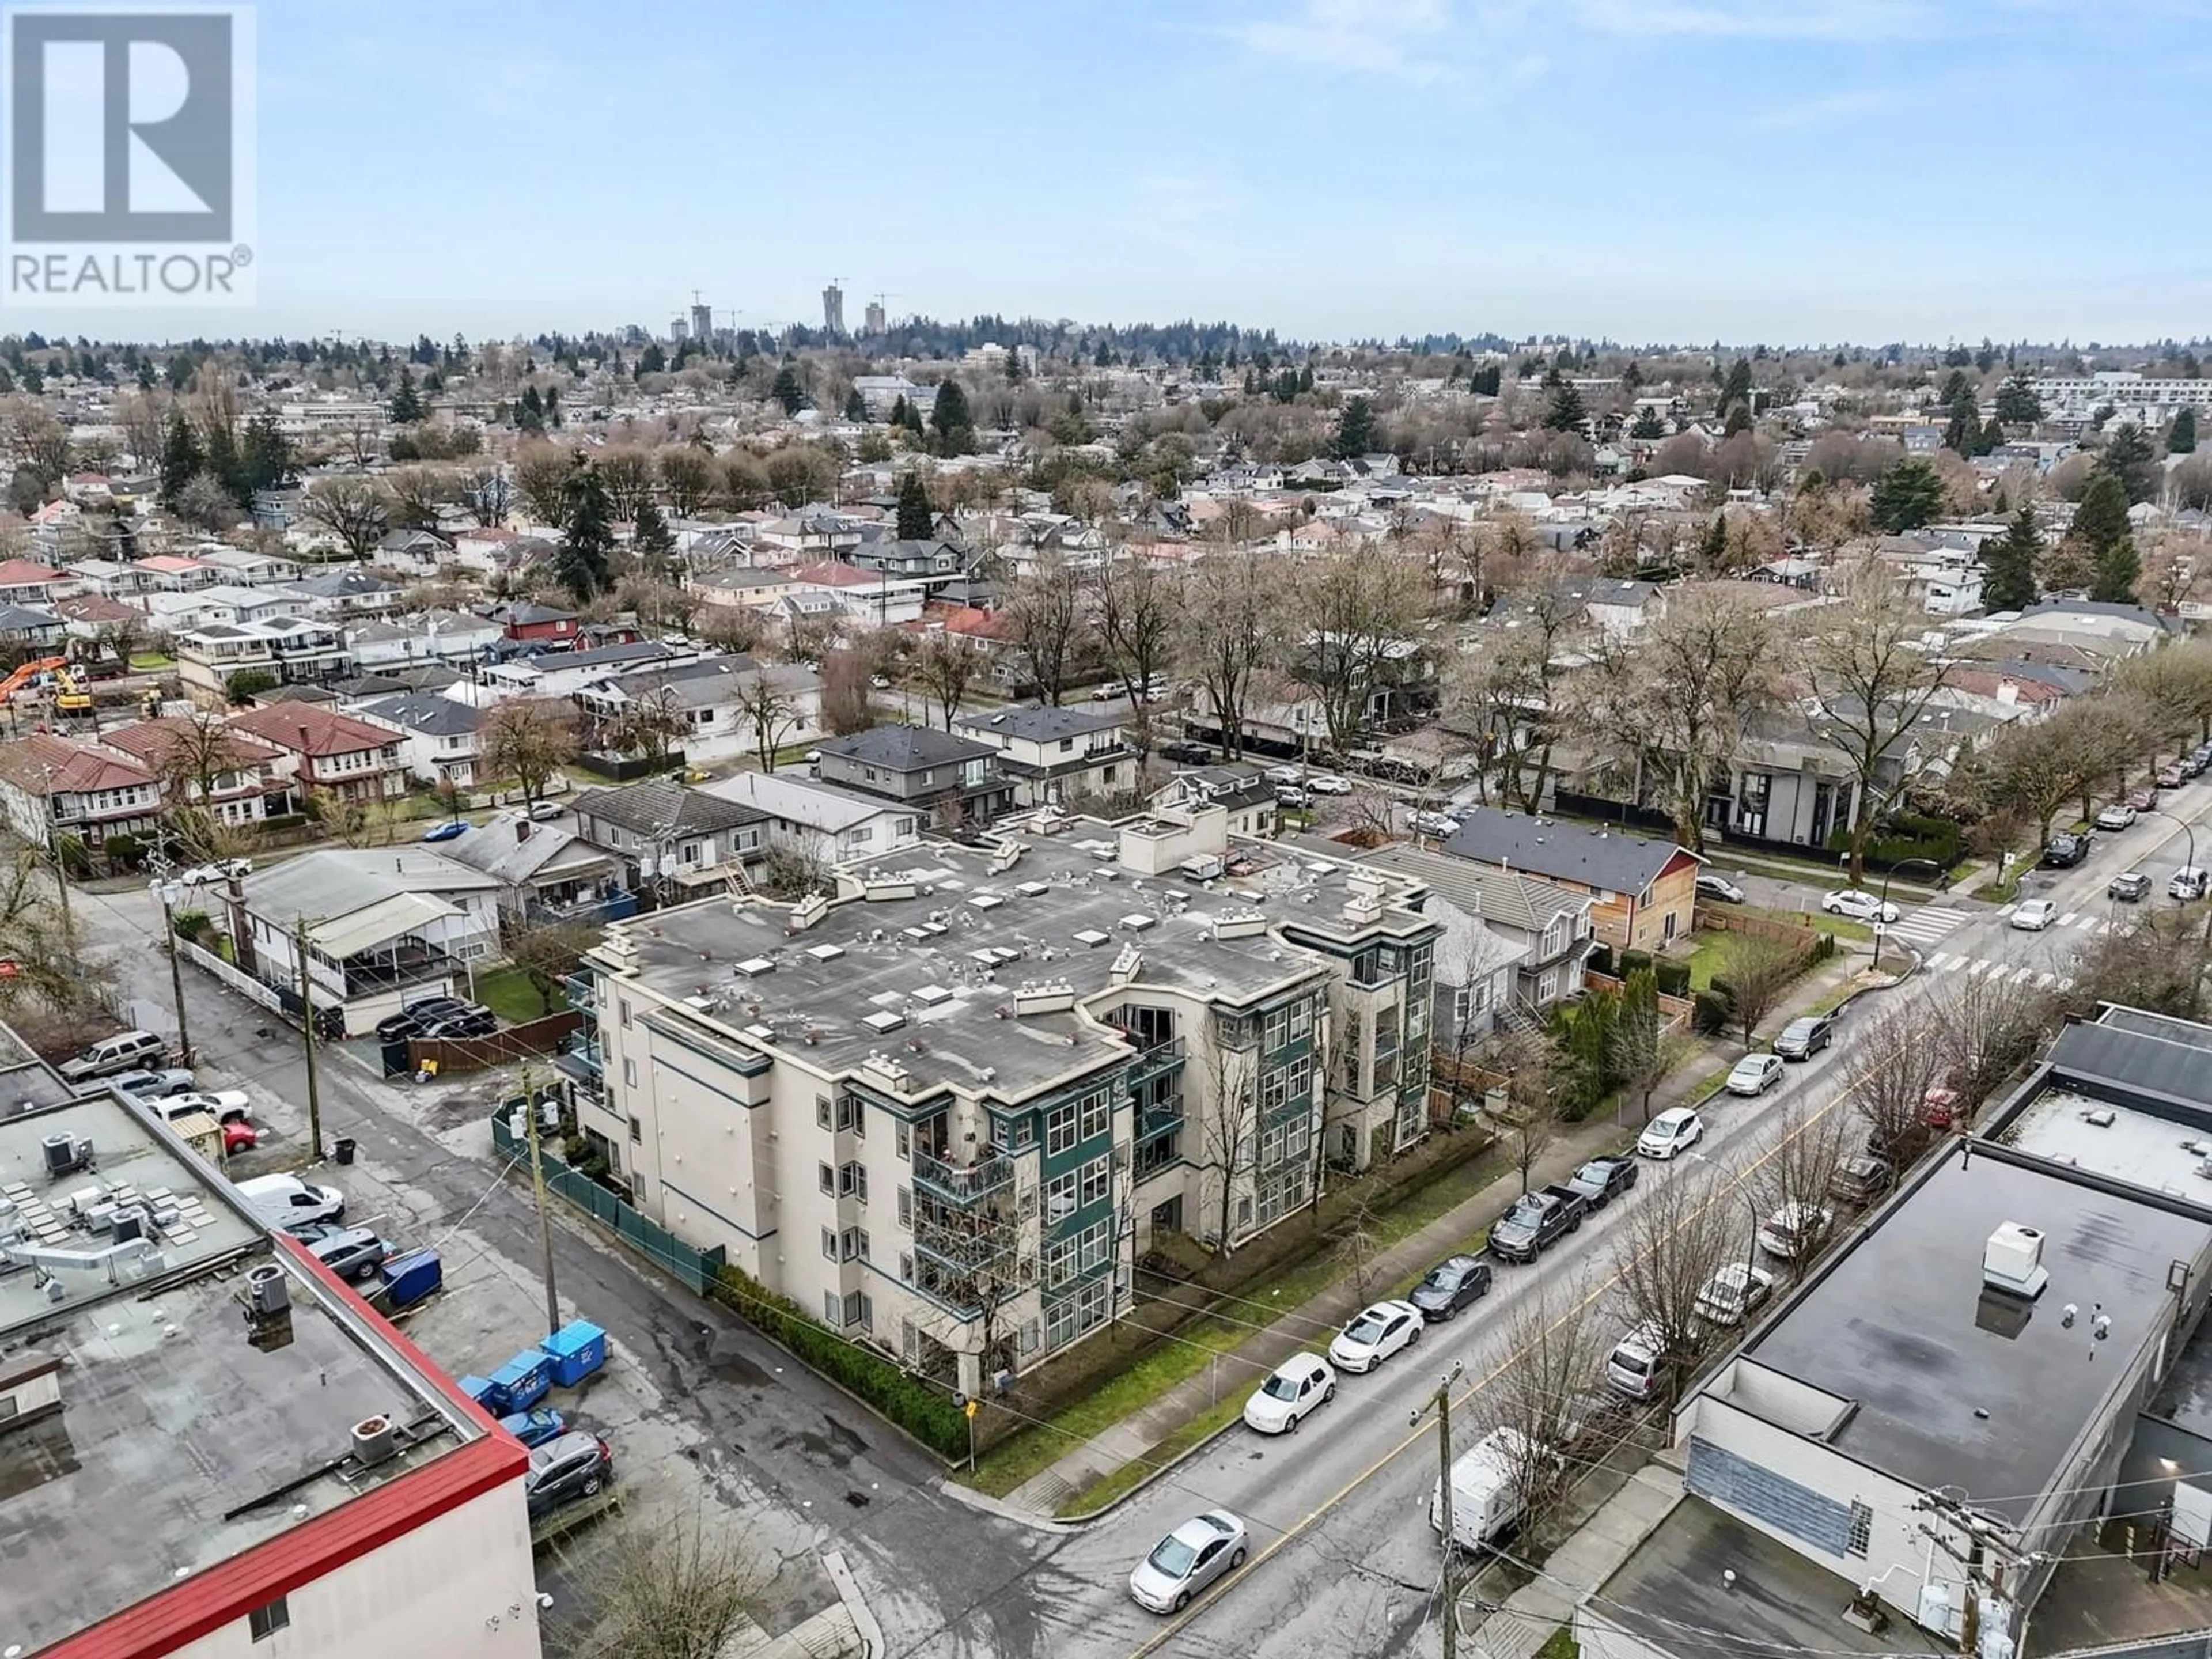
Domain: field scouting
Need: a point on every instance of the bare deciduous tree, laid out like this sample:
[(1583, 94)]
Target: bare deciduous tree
[(946, 665), (541, 480), (1794, 1173), (666, 1587), (1230, 633), (1891, 1096), (1045, 619), (688, 473), (1357, 613), (1530, 1115), (1679, 1233), (765, 699), (1546, 1397), (1229, 1129), (355, 510), (528, 739), (1757, 971), (1137, 605), (627, 472)]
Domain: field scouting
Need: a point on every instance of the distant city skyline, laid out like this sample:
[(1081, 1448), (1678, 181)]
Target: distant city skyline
[(1820, 171)]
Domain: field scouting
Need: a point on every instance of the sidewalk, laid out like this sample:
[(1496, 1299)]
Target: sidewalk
[(1524, 1621), (1241, 1368)]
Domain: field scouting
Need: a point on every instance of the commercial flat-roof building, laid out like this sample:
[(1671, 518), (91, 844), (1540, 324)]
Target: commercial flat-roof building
[(205, 1439), (948, 1104)]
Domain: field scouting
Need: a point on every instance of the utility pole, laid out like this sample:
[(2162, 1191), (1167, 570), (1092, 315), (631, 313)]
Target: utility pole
[(166, 891), (545, 1221), (1440, 1402), (307, 1037), (1984, 1536)]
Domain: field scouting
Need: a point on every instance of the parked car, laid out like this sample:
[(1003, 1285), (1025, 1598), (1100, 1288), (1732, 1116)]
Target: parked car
[(1795, 1229), (1754, 1075), (1433, 823), (544, 811), (2188, 882), (1322, 785), (1638, 1363), (1671, 1134), (2119, 816), (155, 1084), (476, 1023), (451, 831), (126, 1051), (1859, 1180), (535, 1428), (2144, 799), (1713, 886), (2064, 850), (351, 1252), (2171, 777), (1805, 1036), (2129, 888), (206, 875), (1295, 1389), (1190, 754), (412, 1019), (568, 1467), (2193, 764), (1859, 905), (1537, 1222), (1286, 774), (1456, 1282), (2034, 915), (223, 1105), (284, 1198), (1735, 1293), (1604, 1179), (1189, 1559), (1291, 795), (1374, 1336)]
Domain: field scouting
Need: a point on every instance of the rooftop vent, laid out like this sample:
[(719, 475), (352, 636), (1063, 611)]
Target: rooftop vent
[(1048, 997), (825, 952), (2102, 1118), (1239, 924), (809, 910), (754, 967), (266, 1297), (375, 1440), (65, 1154), (877, 889), (885, 1023), (1127, 961), (1090, 938), (985, 901), (1033, 889), (2012, 1262), (932, 996), (1137, 922)]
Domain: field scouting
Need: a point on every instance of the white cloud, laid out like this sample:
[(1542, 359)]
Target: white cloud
[(1780, 20), (1393, 38)]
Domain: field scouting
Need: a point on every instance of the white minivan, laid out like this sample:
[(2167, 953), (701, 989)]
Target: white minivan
[(282, 1199), (1638, 1364)]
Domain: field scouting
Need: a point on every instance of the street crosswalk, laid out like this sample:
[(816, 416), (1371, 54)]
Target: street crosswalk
[(2093, 922), (1925, 926), (1998, 972)]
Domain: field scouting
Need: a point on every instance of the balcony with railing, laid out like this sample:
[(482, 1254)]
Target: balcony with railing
[(963, 1247), (963, 1183), (1159, 1126), (1161, 1060), (582, 1063)]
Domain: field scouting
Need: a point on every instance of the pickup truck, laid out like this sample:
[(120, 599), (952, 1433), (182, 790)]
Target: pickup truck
[(1537, 1222), (1603, 1179)]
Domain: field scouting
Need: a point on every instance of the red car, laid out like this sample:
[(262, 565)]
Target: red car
[(2172, 777), (2143, 801)]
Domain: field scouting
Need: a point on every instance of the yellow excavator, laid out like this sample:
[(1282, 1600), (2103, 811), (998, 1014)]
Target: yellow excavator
[(70, 695)]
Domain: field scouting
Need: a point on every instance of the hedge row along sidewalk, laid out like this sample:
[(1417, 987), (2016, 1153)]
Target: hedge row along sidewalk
[(1116, 1460)]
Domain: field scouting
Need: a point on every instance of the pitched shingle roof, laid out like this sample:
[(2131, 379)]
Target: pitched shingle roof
[(657, 806), (906, 748), (1566, 852)]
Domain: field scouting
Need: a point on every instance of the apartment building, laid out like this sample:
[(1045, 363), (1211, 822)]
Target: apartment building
[(948, 1105), (294, 650)]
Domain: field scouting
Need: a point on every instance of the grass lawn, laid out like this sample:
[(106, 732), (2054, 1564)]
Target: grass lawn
[(1126, 1480), (508, 992), (1707, 957), (1818, 920), (1006, 1467), (1560, 1645), (150, 662)]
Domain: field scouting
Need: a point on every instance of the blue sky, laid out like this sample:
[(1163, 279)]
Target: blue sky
[(1777, 170)]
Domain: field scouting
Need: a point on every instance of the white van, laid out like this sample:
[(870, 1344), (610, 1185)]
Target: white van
[(1637, 1365), (283, 1200), (2188, 883), (1486, 1482)]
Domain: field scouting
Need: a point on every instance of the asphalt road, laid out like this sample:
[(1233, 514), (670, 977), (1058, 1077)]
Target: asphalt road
[(1343, 1554)]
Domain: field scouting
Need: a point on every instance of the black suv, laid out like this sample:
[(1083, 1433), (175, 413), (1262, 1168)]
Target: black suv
[(1453, 1283), (575, 1465), (2065, 850), (418, 1017)]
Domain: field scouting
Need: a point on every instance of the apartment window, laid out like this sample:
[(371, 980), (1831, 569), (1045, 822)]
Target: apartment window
[(1301, 1016), (1277, 1031), (636, 1131), (629, 1074), (1098, 1115), (906, 1269), (1060, 1196), (822, 1109), (906, 1207), (1098, 1180), (830, 1243), (266, 1620), (827, 1177), (621, 1010), (1862, 1535), (859, 1311), (833, 1309), (1060, 1129), (853, 1182), (855, 1244), (1021, 1133), (850, 1120), (903, 1141)]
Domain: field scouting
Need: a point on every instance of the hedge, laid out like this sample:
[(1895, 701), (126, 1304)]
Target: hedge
[(1712, 1011), (922, 1409), (1906, 835), (1673, 976), (1599, 960), (1632, 960)]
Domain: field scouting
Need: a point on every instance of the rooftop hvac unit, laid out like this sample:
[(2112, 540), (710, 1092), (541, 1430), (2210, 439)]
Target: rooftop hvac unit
[(2012, 1260), (65, 1154), (265, 1294), (128, 1224), (375, 1440)]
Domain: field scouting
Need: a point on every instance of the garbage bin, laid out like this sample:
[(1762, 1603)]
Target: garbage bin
[(341, 1149)]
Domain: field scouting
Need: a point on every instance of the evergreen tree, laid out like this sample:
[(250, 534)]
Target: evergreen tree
[(916, 523), (587, 533), (649, 533), (406, 402), (1713, 546), (552, 405), (2017, 404), (1564, 413), (786, 390), (1014, 365), (2101, 519), (1648, 424), (1907, 497), (856, 407), (1955, 387), (1965, 432), (2009, 565), (651, 360), (1486, 380), (225, 466), (1306, 378), (267, 453), (1736, 388), (2127, 457), (950, 419), (1632, 377), (899, 409), (1355, 430), (2118, 569), (2181, 436), (529, 410), (182, 458), (913, 422), (1739, 420)]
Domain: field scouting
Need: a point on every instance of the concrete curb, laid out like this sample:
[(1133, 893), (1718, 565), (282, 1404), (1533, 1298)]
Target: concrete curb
[(848, 1592), (1091, 1518)]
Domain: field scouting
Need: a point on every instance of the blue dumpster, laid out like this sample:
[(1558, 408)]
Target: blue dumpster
[(486, 1393), (407, 1279), (524, 1380), (575, 1351)]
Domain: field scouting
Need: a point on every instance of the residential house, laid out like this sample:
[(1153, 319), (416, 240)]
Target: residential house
[(740, 587), (243, 567), (816, 533), (94, 617), (670, 838), (52, 785), (173, 573), (110, 579), (524, 619), (441, 738), (326, 750), (412, 555), (25, 582), (566, 673), (237, 777), (383, 925), (729, 707), (547, 870), (1057, 755), (869, 599), (433, 636), (1240, 791), (292, 652), (27, 630), (1644, 891), (347, 591), (956, 780), (931, 562), (817, 824)]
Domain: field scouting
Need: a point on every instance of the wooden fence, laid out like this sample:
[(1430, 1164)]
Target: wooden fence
[(543, 1035)]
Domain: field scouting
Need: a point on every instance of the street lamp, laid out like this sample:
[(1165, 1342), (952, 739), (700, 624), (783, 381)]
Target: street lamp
[(2190, 830), (169, 892), (1751, 1202), (1882, 908)]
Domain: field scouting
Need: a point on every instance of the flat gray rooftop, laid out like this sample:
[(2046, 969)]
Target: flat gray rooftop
[(1900, 1324), (2121, 1142), (1671, 1592), (948, 959), (186, 1434)]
